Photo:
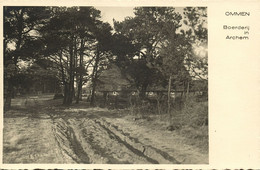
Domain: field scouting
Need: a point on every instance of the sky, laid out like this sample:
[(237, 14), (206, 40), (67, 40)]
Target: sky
[(119, 13)]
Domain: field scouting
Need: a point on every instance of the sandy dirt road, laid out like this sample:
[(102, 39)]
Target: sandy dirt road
[(37, 131)]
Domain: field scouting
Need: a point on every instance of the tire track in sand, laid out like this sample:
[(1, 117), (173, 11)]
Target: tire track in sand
[(93, 140)]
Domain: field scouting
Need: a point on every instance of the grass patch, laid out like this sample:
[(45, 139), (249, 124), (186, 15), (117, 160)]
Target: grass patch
[(188, 118)]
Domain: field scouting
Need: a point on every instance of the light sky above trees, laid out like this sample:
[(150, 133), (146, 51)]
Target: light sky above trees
[(119, 13)]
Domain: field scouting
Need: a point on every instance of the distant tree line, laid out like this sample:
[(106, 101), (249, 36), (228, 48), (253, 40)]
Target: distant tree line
[(73, 45)]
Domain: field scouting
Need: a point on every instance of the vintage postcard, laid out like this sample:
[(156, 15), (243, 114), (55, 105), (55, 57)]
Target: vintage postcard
[(130, 85)]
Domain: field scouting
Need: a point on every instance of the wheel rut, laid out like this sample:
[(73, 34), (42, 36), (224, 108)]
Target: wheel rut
[(155, 155), (127, 145), (68, 143), (94, 140)]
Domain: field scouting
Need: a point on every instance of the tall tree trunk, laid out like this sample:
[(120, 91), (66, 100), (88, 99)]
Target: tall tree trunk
[(79, 92), (94, 80), (64, 81), (80, 71), (65, 86), (70, 89), (169, 96), (188, 89), (8, 96), (66, 95), (92, 100), (74, 66)]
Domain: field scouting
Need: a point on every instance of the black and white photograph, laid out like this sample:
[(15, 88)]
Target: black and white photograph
[(105, 85)]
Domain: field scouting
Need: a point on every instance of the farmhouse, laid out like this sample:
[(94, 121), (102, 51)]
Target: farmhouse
[(113, 82)]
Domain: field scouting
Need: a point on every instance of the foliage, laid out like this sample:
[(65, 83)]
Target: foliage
[(197, 33), (74, 38), (21, 25), (76, 46), (146, 33)]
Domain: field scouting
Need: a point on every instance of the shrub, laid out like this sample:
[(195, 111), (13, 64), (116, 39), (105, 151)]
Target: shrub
[(194, 113)]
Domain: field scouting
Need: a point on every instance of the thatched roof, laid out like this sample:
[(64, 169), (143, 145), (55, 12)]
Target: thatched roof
[(112, 79)]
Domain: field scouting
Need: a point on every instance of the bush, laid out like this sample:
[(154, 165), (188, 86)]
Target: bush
[(194, 113), (192, 122)]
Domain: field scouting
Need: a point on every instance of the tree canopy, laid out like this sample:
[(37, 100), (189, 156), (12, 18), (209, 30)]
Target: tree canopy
[(156, 47)]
